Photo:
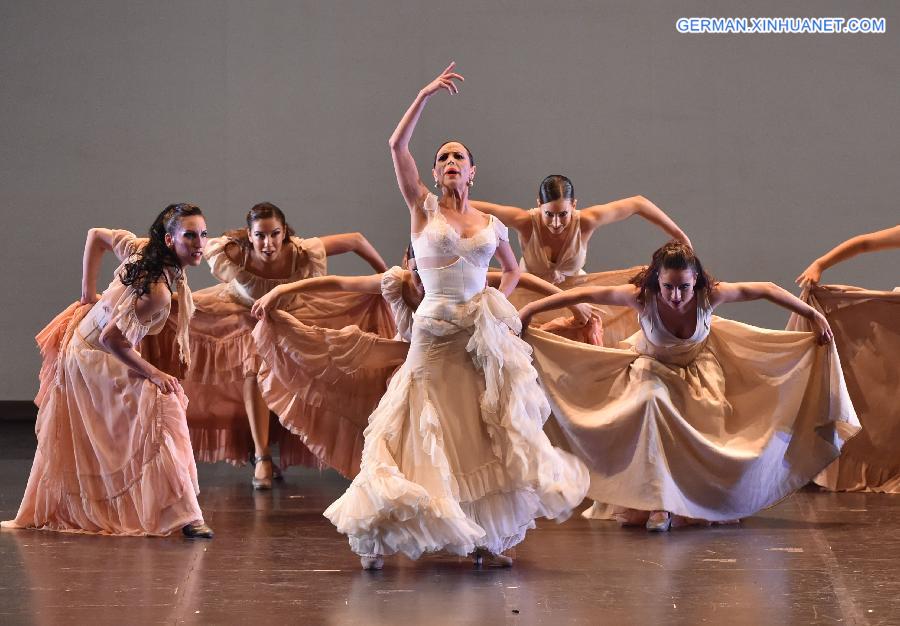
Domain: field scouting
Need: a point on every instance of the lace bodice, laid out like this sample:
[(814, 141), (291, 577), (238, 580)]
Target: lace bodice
[(439, 240), (453, 268)]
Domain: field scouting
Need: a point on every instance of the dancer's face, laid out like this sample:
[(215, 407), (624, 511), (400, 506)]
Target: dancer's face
[(452, 168), (676, 287), (267, 236), (188, 240), (556, 214)]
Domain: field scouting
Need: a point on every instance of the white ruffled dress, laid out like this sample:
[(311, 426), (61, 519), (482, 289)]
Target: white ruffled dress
[(455, 457)]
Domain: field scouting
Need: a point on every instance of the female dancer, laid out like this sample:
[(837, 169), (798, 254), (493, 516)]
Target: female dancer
[(454, 456), (554, 239), (228, 390), (114, 455), (699, 417), (867, 335)]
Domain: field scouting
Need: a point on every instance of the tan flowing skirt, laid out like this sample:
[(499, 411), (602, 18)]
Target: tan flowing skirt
[(752, 416), (866, 327)]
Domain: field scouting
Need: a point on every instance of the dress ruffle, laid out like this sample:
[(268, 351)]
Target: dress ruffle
[(413, 494), (323, 383)]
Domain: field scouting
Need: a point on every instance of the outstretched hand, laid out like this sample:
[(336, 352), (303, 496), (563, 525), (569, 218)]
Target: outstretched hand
[(823, 329), (810, 276), (444, 81), (265, 304)]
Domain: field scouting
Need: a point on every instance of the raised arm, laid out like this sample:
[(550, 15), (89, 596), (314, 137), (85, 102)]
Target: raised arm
[(356, 284), (869, 242), (619, 295), (723, 293), (99, 241), (514, 217), (602, 214), (113, 340), (354, 242), (411, 186)]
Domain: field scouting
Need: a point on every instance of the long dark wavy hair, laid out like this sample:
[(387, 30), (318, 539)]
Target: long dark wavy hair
[(675, 255), (152, 260), (260, 211)]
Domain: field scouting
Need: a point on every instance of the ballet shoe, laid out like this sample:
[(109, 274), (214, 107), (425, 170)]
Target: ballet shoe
[(484, 557), (10, 524), (659, 525), (262, 484), (372, 562), (197, 530)]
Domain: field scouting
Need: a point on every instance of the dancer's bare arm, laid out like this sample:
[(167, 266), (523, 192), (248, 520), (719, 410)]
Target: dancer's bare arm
[(99, 241), (514, 217), (599, 215), (581, 312), (354, 242), (414, 192), (356, 284), (113, 340), (869, 242), (511, 272), (723, 293), (619, 295)]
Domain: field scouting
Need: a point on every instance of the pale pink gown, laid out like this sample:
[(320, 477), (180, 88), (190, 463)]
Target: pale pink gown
[(714, 427), (866, 325), (455, 457), (225, 352), (113, 454)]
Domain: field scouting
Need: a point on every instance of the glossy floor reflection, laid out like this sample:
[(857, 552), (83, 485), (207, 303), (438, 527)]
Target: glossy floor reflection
[(817, 558)]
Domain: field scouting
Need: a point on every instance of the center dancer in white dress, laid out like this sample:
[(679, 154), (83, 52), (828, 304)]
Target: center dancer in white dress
[(455, 457)]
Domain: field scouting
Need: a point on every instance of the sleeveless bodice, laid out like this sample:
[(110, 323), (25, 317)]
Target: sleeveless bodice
[(658, 342), (463, 272), (572, 254)]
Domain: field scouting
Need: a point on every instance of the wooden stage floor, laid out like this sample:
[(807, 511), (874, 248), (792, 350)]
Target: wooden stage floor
[(817, 558)]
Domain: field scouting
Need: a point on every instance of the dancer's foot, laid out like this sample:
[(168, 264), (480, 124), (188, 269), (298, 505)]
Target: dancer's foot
[(484, 557), (659, 521), (10, 524), (262, 472), (371, 562), (197, 530)]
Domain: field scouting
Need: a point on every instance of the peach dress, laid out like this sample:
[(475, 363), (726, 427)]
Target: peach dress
[(866, 325), (324, 383), (113, 454), (455, 457), (225, 352), (567, 272), (715, 427)]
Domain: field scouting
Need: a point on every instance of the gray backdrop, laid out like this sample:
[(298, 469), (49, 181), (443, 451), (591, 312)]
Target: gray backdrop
[(766, 149)]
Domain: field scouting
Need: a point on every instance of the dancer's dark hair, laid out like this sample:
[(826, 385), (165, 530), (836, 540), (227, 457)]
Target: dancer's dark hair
[(260, 211), (675, 255), (469, 152), (555, 187), (152, 260)]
